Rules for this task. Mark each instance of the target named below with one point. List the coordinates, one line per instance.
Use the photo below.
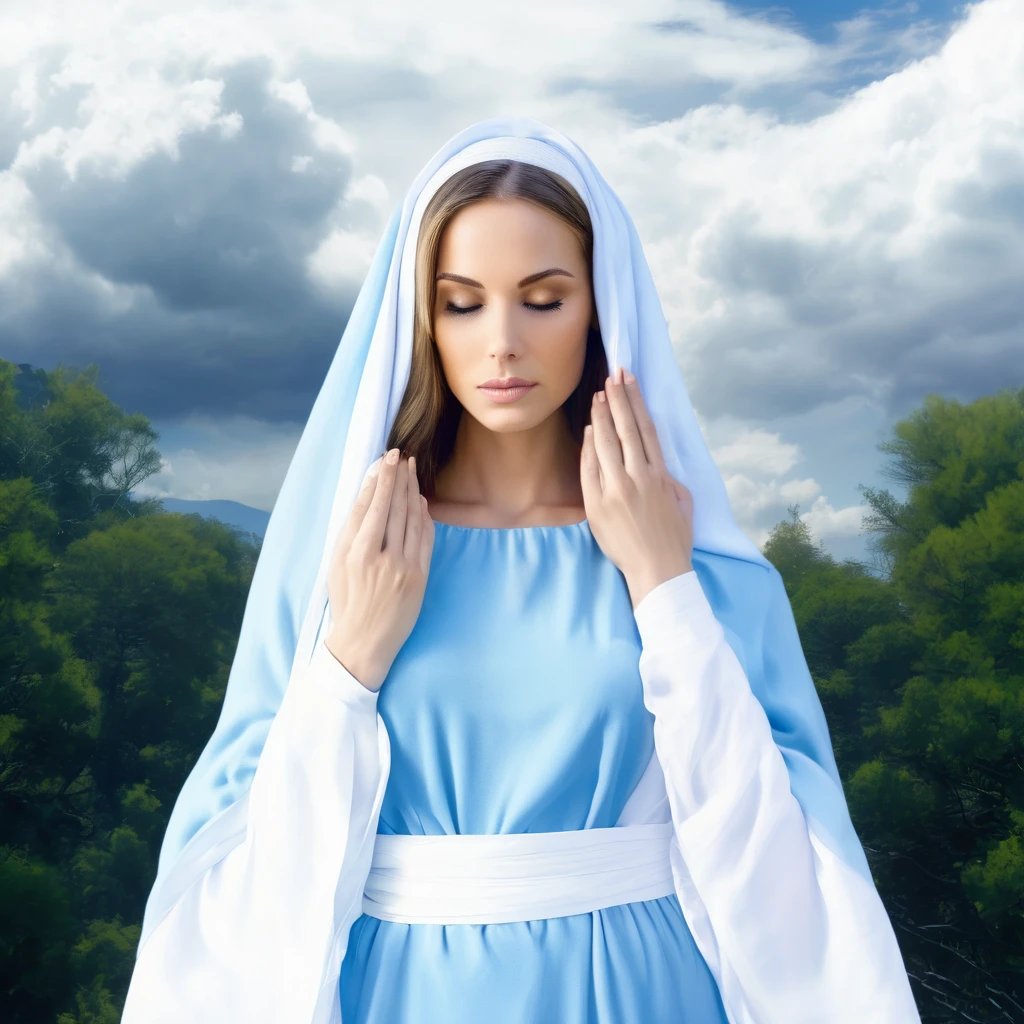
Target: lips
(504, 392)
(507, 382)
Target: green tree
(118, 624)
(83, 452)
(921, 673)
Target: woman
(554, 752)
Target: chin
(508, 419)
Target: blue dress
(516, 705)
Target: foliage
(118, 624)
(921, 674)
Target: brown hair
(428, 417)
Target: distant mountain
(234, 513)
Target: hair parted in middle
(429, 414)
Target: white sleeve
(791, 932)
(259, 935)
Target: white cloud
(755, 465)
(758, 449)
(125, 122)
(749, 497)
(826, 522)
(18, 244)
(814, 239)
(857, 252)
(341, 258)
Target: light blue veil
(347, 431)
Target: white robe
(261, 905)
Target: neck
(512, 474)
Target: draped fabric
(287, 604)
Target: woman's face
(513, 300)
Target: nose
(504, 336)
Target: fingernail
(601, 396)
(393, 456)
(628, 377)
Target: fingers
(606, 441)
(394, 532)
(644, 423)
(426, 538)
(590, 471)
(361, 504)
(633, 457)
(414, 518)
(374, 522)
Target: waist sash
(519, 876)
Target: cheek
(460, 358)
(561, 343)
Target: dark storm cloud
(223, 319)
(849, 319)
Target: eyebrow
(459, 279)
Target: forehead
(504, 231)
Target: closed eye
(546, 307)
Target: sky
(830, 197)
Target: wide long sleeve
(259, 934)
(793, 932)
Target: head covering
(347, 431)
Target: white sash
(519, 876)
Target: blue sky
(818, 18)
(829, 197)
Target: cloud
(869, 250)
(236, 457)
(757, 448)
(191, 196)
(184, 273)
(756, 467)
(827, 522)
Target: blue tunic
(516, 705)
